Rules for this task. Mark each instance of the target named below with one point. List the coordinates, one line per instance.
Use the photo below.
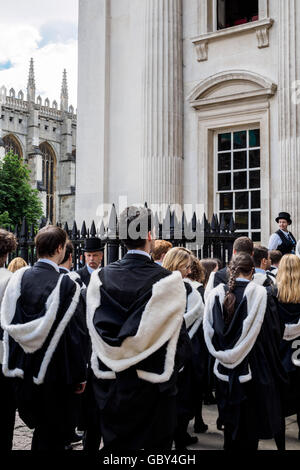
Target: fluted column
(162, 151)
(289, 129)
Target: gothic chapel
(45, 137)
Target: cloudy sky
(46, 31)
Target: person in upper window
(283, 240)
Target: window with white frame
(238, 180)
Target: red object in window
(255, 18)
(241, 21)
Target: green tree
(17, 198)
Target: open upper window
(236, 12)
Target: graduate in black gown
(135, 314)
(202, 362)
(288, 283)
(8, 244)
(45, 342)
(243, 332)
(190, 376)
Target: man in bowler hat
(283, 240)
(93, 254)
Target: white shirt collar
(48, 261)
(138, 252)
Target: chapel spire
(64, 96)
(31, 83)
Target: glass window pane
(242, 220)
(239, 160)
(254, 138)
(224, 161)
(254, 158)
(224, 181)
(242, 200)
(226, 202)
(240, 140)
(256, 236)
(254, 179)
(255, 220)
(227, 217)
(240, 180)
(224, 142)
(255, 200)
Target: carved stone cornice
(261, 27)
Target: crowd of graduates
(126, 354)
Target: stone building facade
(194, 102)
(44, 135)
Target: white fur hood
(160, 324)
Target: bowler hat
(284, 215)
(92, 244)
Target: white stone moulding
(261, 27)
(246, 86)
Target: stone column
(288, 110)
(162, 151)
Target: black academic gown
(252, 410)
(290, 314)
(49, 407)
(188, 386)
(135, 413)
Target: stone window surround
(233, 191)
(221, 114)
(209, 32)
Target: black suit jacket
(85, 275)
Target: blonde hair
(176, 258)
(288, 279)
(16, 263)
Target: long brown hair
(288, 279)
(208, 264)
(241, 263)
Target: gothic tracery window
(48, 181)
(12, 145)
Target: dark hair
(134, 225)
(241, 263)
(69, 251)
(8, 242)
(243, 245)
(197, 270)
(49, 239)
(208, 264)
(219, 263)
(275, 256)
(260, 252)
